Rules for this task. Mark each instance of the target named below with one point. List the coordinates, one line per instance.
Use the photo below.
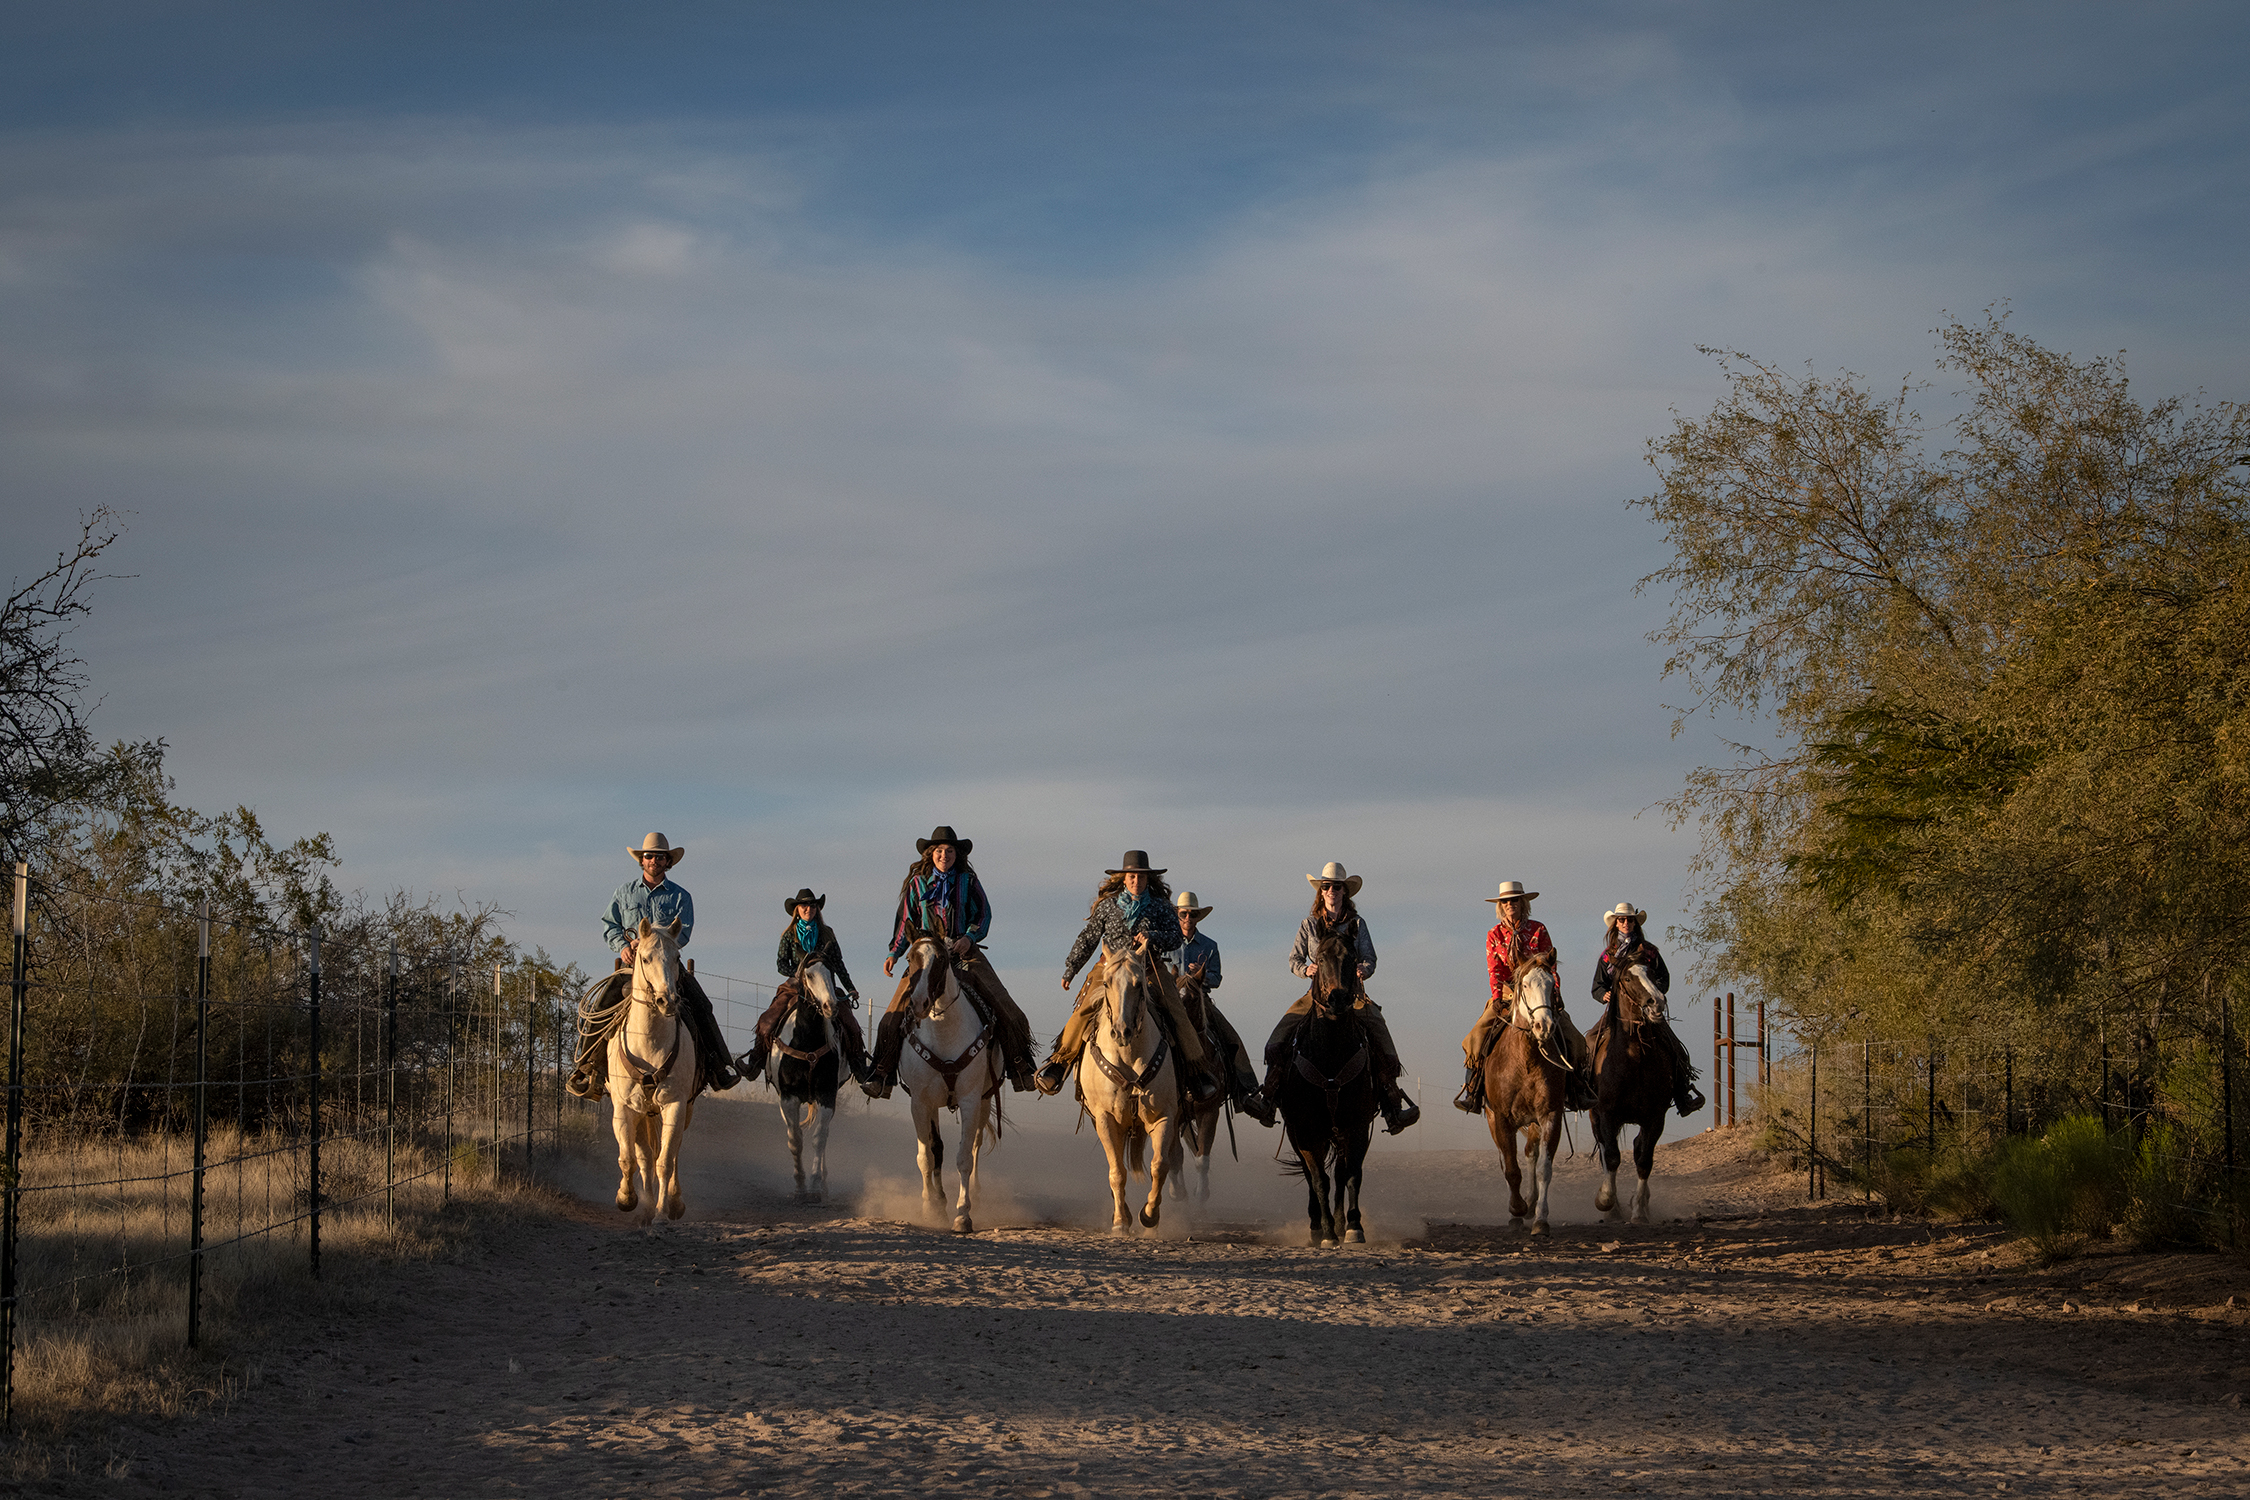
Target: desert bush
(2063, 1189)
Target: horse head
(1335, 977)
(1534, 997)
(1639, 1001)
(817, 985)
(656, 966)
(1125, 985)
(934, 987)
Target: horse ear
(647, 927)
(673, 927)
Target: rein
(644, 996)
(1137, 1081)
(931, 1007)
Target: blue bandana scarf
(808, 935)
(1134, 906)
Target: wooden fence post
(19, 984)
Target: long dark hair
(1112, 884)
(922, 866)
(1344, 913)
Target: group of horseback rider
(1133, 909)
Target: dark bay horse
(1524, 1079)
(1328, 1097)
(1632, 1083)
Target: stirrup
(1050, 1079)
(1399, 1115)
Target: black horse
(1328, 1098)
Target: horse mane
(1112, 884)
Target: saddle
(1355, 1065)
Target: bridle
(1140, 1080)
(666, 1005)
(935, 1006)
(825, 1009)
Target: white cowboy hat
(1623, 911)
(1185, 901)
(656, 843)
(1512, 890)
(1332, 873)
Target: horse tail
(1137, 1156)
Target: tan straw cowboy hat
(1332, 873)
(1512, 890)
(1623, 911)
(1185, 901)
(656, 843)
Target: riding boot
(1687, 1098)
(882, 1068)
(1253, 1104)
(1051, 1078)
(1470, 1101)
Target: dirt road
(761, 1348)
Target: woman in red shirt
(1514, 938)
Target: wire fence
(1871, 1115)
(183, 1088)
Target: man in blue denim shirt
(1196, 961)
(656, 899)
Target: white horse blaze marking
(952, 1026)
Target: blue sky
(1200, 427)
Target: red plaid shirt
(1505, 945)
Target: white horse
(951, 1060)
(653, 1072)
(1131, 1085)
(805, 1067)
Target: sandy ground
(762, 1347)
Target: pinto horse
(805, 1067)
(1328, 1097)
(1632, 1083)
(1130, 1083)
(1523, 1085)
(950, 1062)
(653, 1075)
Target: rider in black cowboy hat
(941, 894)
(808, 936)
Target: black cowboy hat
(943, 834)
(804, 894)
(1135, 862)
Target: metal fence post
(19, 982)
(1812, 1161)
(2226, 1108)
(2008, 1099)
(1929, 1066)
(1718, 1051)
(390, 1086)
(202, 1123)
(1730, 1057)
(496, 1070)
(530, 1055)
(312, 993)
(452, 1020)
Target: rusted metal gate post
(1730, 1057)
(1718, 1065)
(202, 1123)
(312, 995)
(19, 983)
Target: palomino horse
(1199, 1123)
(1523, 1087)
(1328, 1098)
(805, 1067)
(1632, 1083)
(1131, 1084)
(949, 1062)
(652, 1079)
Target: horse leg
(1606, 1132)
(1163, 1156)
(673, 1127)
(929, 1153)
(1350, 1169)
(1317, 1208)
(1113, 1132)
(1644, 1158)
(1504, 1136)
(1543, 1172)
(625, 1125)
(644, 1167)
(972, 1131)
(796, 1136)
(820, 1116)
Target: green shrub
(2061, 1190)
(2160, 1186)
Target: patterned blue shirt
(636, 899)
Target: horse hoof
(1121, 1228)
(675, 1208)
(627, 1200)
(1148, 1218)
(1605, 1200)
(1540, 1230)
(1327, 1244)
(961, 1225)
(1355, 1237)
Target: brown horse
(1632, 1082)
(1328, 1097)
(1199, 1123)
(1524, 1077)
